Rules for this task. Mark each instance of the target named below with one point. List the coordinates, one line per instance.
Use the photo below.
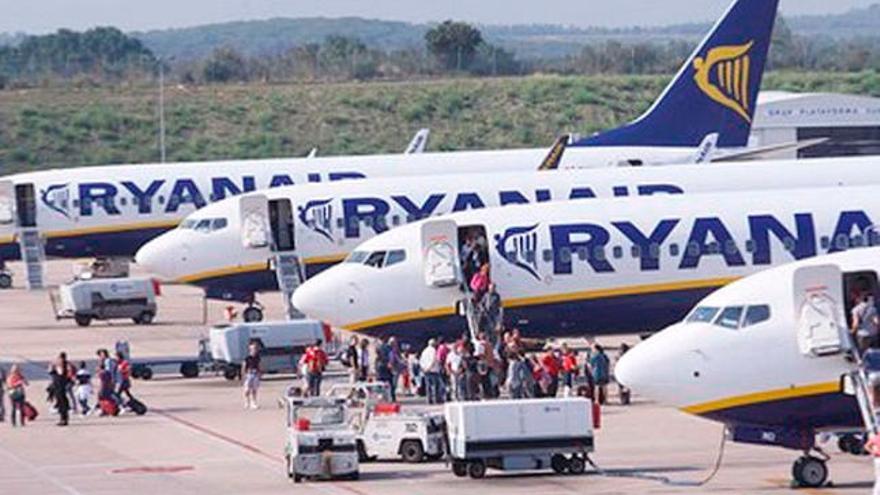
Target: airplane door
(819, 311)
(440, 253)
(26, 205)
(281, 223)
(7, 204)
(255, 230)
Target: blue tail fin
(714, 92)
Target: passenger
(624, 392)
(383, 362)
(58, 389)
(601, 374)
(111, 366)
(469, 258)
(491, 313)
(363, 360)
(350, 359)
(865, 323)
(415, 371)
(124, 367)
(552, 366)
(480, 283)
(396, 365)
(520, 381)
(455, 372)
(316, 361)
(430, 364)
(541, 378)
(251, 372)
(569, 370)
(442, 355)
(471, 373)
(105, 386)
(2, 385)
(83, 389)
(15, 387)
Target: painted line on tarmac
(217, 435)
(38, 473)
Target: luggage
(137, 407)
(108, 407)
(29, 411)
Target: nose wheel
(252, 313)
(809, 472)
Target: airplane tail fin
(714, 92)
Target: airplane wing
(707, 149)
(762, 152)
(554, 157)
(419, 142)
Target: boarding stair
(289, 274)
(471, 315)
(861, 380)
(34, 257)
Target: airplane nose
(318, 298)
(164, 256)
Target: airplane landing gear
(5, 279)
(253, 313)
(809, 472)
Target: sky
(40, 16)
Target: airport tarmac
(197, 438)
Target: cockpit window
(395, 257)
(729, 317)
(703, 314)
(376, 259)
(357, 257)
(188, 224)
(755, 315)
(218, 224)
(203, 225)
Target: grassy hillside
(72, 127)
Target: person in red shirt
(569, 370)
(15, 385)
(316, 361)
(123, 366)
(551, 365)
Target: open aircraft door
(255, 229)
(819, 311)
(7, 206)
(440, 253)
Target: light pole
(162, 110)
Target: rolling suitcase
(108, 407)
(137, 407)
(29, 411)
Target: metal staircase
(289, 273)
(34, 257)
(862, 385)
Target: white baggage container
(519, 435)
(282, 343)
(106, 299)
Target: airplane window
(702, 314)
(789, 244)
(841, 241)
(617, 252)
(673, 250)
(340, 222)
(729, 317)
(713, 248)
(376, 259)
(188, 224)
(395, 257)
(357, 257)
(755, 315)
(76, 203)
(203, 225)
(693, 249)
(750, 246)
(874, 238)
(825, 242)
(548, 255)
(858, 241)
(395, 220)
(636, 251)
(730, 247)
(599, 253)
(582, 253)
(368, 221)
(134, 201)
(161, 200)
(654, 250)
(565, 255)
(123, 201)
(218, 224)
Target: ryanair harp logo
(519, 246)
(731, 67)
(317, 215)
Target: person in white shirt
(431, 368)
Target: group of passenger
(865, 325)
(70, 389)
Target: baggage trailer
(107, 299)
(320, 445)
(511, 435)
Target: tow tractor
(320, 445)
(383, 431)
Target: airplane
(112, 211)
(803, 376)
(218, 249)
(605, 266)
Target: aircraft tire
(252, 314)
(5, 281)
(810, 472)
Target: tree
(453, 44)
(225, 65)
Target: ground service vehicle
(520, 435)
(107, 299)
(319, 442)
(282, 343)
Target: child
(83, 388)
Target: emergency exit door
(440, 253)
(281, 222)
(819, 311)
(26, 205)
